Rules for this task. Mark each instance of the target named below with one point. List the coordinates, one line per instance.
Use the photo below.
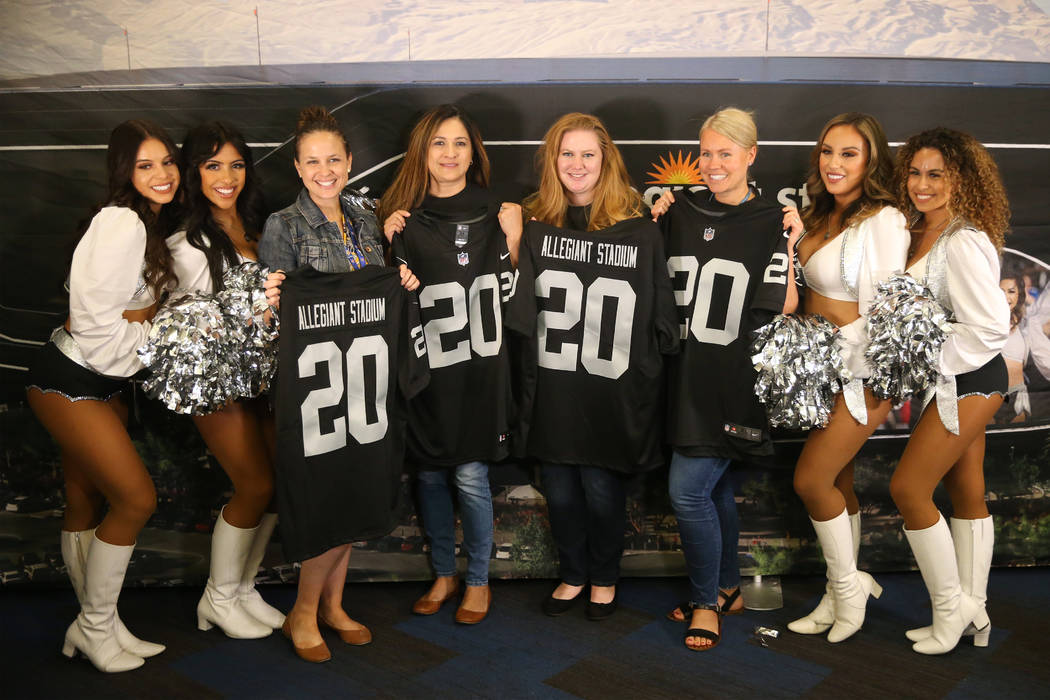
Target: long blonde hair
(614, 198)
(412, 180)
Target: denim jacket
(300, 235)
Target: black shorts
(53, 372)
(990, 378)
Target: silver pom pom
(799, 370)
(906, 329)
(358, 200)
(205, 350)
(251, 350)
(185, 351)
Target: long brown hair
(121, 154)
(1018, 308)
(412, 180)
(614, 198)
(876, 188)
(977, 192)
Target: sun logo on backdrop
(672, 170)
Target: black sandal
(702, 633)
(685, 610)
(730, 599)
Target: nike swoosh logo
(504, 257)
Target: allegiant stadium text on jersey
(334, 313)
(613, 254)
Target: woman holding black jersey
(331, 230)
(710, 423)
(588, 256)
(445, 225)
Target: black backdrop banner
(52, 161)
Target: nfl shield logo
(463, 259)
(709, 233)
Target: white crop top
(105, 280)
(823, 271)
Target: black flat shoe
(600, 611)
(556, 606)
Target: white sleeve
(885, 252)
(982, 314)
(103, 278)
(191, 266)
(1039, 347)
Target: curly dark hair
(876, 191)
(202, 231)
(977, 192)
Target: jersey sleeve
(982, 314)
(772, 287)
(414, 370)
(665, 311)
(399, 251)
(521, 309)
(103, 279)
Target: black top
(729, 270)
(470, 198)
(349, 342)
(461, 259)
(577, 218)
(599, 310)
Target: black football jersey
(599, 310)
(351, 350)
(463, 264)
(728, 266)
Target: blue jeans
(439, 522)
(702, 496)
(588, 516)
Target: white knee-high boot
(94, 632)
(974, 542)
(850, 587)
(220, 605)
(75, 546)
(953, 610)
(823, 616)
(250, 599)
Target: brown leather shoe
(315, 655)
(473, 617)
(357, 638)
(425, 606)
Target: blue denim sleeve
(275, 247)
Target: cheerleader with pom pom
(951, 186)
(855, 240)
(224, 218)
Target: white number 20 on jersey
(361, 394)
(477, 308)
(590, 307)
